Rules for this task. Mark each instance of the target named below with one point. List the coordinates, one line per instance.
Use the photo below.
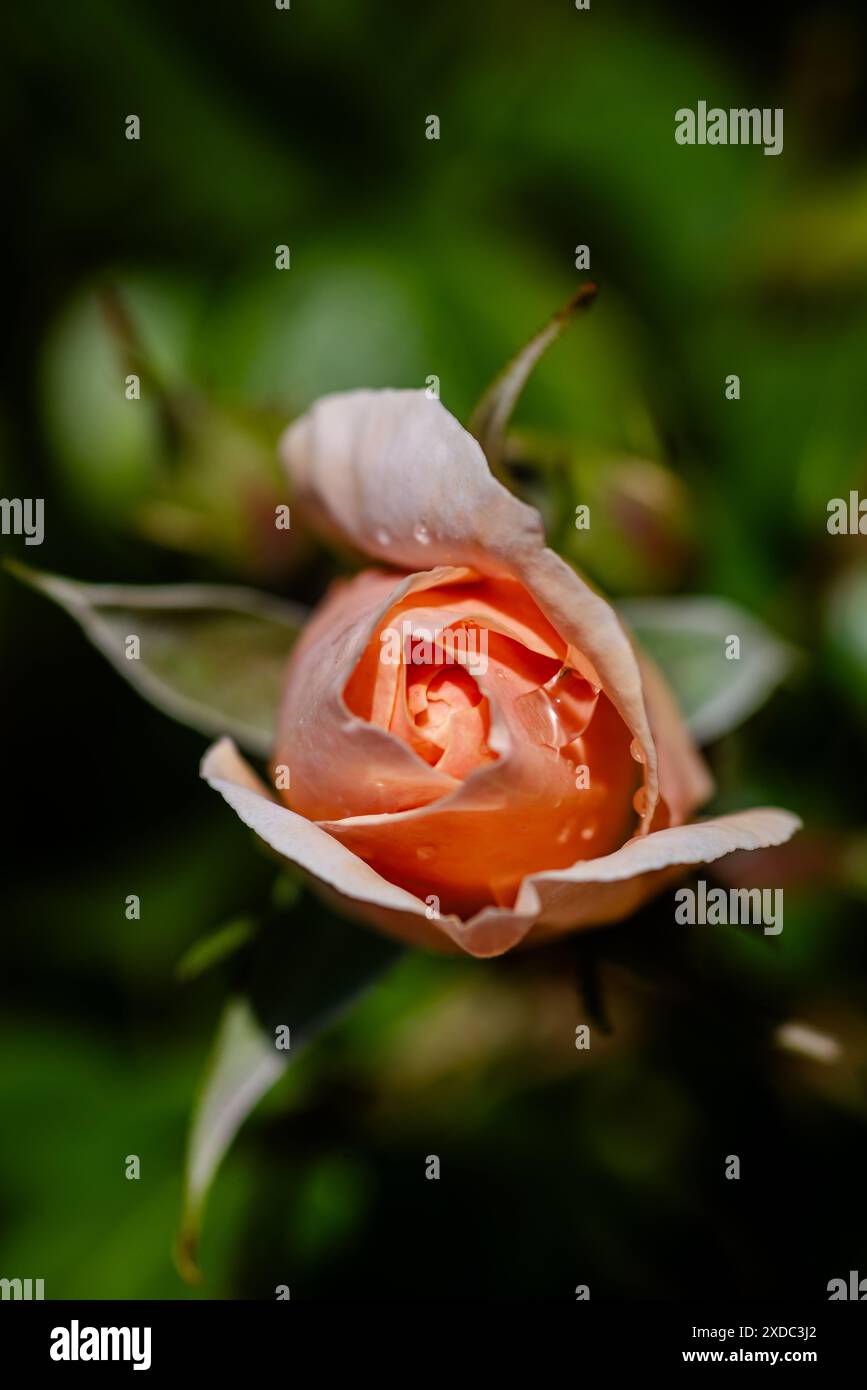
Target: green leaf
(308, 967)
(846, 630)
(244, 1065)
(210, 656)
(211, 950)
(687, 639)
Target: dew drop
(589, 831)
(636, 751)
(421, 533)
(639, 801)
(559, 712)
(382, 537)
(425, 852)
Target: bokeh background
(413, 257)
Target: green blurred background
(412, 257)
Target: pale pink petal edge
(589, 893)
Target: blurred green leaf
(243, 1066)
(308, 967)
(846, 628)
(209, 656)
(110, 451)
(687, 637)
(214, 948)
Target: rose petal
(395, 475)
(362, 891)
(341, 764)
(685, 782)
(588, 894)
(510, 817)
(359, 780)
(619, 881)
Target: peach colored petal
(353, 886)
(462, 798)
(502, 605)
(604, 890)
(518, 814)
(395, 475)
(362, 892)
(685, 782)
(510, 805)
(466, 748)
(339, 762)
(507, 805)
(587, 894)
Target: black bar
(245, 1337)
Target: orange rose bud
(478, 756)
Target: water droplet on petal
(589, 831)
(425, 852)
(636, 751)
(639, 801)
(421, 533)
(382, 537)
(559, 712)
